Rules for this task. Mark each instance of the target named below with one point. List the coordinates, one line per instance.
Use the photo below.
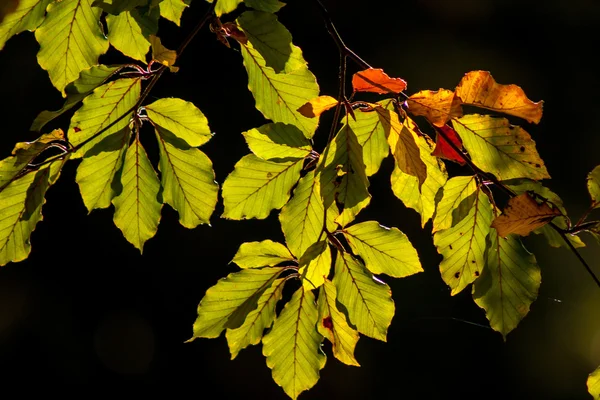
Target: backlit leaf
(332, 325)
(137, 208)
(181, 118)
(376, 81)
(438, 106)
(522, 215)
(508, 284)
(27, 16)
(128, 32)
(498, 147)
(8, 7)
(367, 300)
(293, 346)
(261, 254)
(315, 265)
(271, 6)
(116, 7)
(457, 200)
(593, 184)
(161, 54)
(256, 186)
(227, 304)
(71, 40)
(593, 384)
(187, 179)
(463, 246)
(371, 135)
(277, 141)
(383, 250)
(251, 331)
(443, 149)
(172, 10)
(107, 104)
(479, 88)
(225, 6)
(317, 106)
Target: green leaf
(279, 95)
(172, 10)
(137, 209)
(257, 321)
(181, 118)
(332, 325)
(496, 146)
(342, 176)
(255, 187)
(261, 254)
(315, 264)
(593, 184)
(98, 173)
(593, 384)
(302, 217)
(508, 284)
(464, 245)
(277, 141)
(89, 79)
(458, 198)
(21, 209)
(367, 300)
(293, 346)
(108, 103)
(71, 40)
(271, 6)
(187, 179)
(128, 32)
(370, 134)
(117, 7)
(27, 17)
(383, 250)
(227, 304)
(225, 6)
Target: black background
(87, 308)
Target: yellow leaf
(438, 106)
(163, 55)
(317, 106)
(522, 215)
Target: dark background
(87, 308)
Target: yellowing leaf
(332, 325)
(593, 384)
(317, 106)
(384, 250)
(496, 146)
(593, 184)
(479, 88)
(27, 16)
(128, 32)
(315, 265)
(277, 141)
(172, 10)
(260, 254)
(71, 40)
(522, 215)
(458, 197)
(367, 300)
(376, 81)
(371, 135)
(293, 346)
(181, 118)
(438, 106)
(256, 186)
(161, 54)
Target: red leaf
(443, 148)
(377, 81)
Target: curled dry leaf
(438, 106)
(317, 106)
(522, 215)
(376, 81)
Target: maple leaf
(376, 81)
(522, 215)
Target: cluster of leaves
(333, 261)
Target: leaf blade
(261, 254)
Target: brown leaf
(438, 106)
(479, 88)
(522, 215)
(317, 106)
(376, 81)
(443, 148)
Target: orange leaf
(376, 81)
(522, 215)
(480, 89)
(317, 106)
(437, 106)
(443, 148)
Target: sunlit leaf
(480, 89)
(251, 331)
(225, 6)
(137, 208)
(593, 184)
(161, 54)
(376, 81)
(371, 135)
(443, 148)
(463, 246)
(227, 304)
(261, 254)
(27, 16)
(71, 40)
(181, 118)
(128, 32)
(317, 106)
(8, 7)
(522, 215)
(593, 384)
(315, 265)
(97, 175)
(293, 346)
(498, 147)
(187, 179)
(333, 325)
(508, 284)
(173, 9)
(457, 200)
(438, 106)
(256, 186)
(383, 250)
(271, 6)
(367, 300)
(116, 7)
(107, 104)
(277, 141)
